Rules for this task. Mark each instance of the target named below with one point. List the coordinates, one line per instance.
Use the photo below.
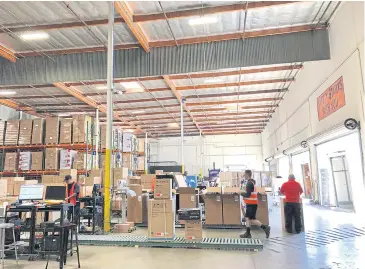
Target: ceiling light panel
(34, 36)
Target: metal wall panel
(288, 48)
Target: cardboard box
(81, 125)
(52, 179)
(12, 132)
(38, 130)
(145, 199)
(25, 132)
(119, 173)
(134, 204)
(4, 201)
(66, 172)
(213, 206)
(122, 228)
(96, 173)
(159, 172)
(25, 160)
(134, 180)
(37, 161)
(188, 198)
(232, 204)
(146, 181)
(161, 219)
(66, 131)
(11, 161)
(117, 204)
(67, 158)
(13, 185)
(163, 188)
(140, 163)
(193, 230)
(262, 209)
(51, 160)
(82, 161)
(128, 161)
(2, 132)
(52, 130)
(190, 214)
(127, 142)
(3, 188)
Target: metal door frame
(346, 177)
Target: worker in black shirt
(72, 197)
(251, 201)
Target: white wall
(224, 150)
(297, 118)
(7, 113)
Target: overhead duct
(264, 50)
(347, 127)
(268, 159)
(279, 155)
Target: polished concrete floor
(333, 240)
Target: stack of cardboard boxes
(52, 130)
(231, 206)
(11, 160)
(146, 181)
(12, 132)
(161, 212)
(231, 179)
(213, 206)
(37, 132)
(66, 131)
(25, 132)
(81, 129)
(134, 204)
(25, 161)
(67, 157)
(2, 132)
(51, 161)
(82, 161)
(37, 160)
(10, 186)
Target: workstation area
(158, 134)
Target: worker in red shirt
(292, 191)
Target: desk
(62, 228)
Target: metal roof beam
(136, 30)
(241, 93)
(7, 54)
(209, 103)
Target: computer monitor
(55, 193)
(31, 192)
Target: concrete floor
(324, 249)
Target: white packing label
(192, 198)
(236, 198)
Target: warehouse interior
(128, 127)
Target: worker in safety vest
(251, 201)
(72, 197)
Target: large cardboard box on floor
(25, 132)
(213, 206)
(163, 188)
(146, 181)
(37, 161)
(66, 131)
(145, 199)
(51, 160)
(11, 161)
(232, 204)
(37, 132)
(134, 204)
(2, 132)
(134, 180)
(67, 158)
(161, 219)
(25, 160)
(52, 130)
(12, 132)
(193, 230)
(262, 209)
(188, 197)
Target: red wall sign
(331, 99)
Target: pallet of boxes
(190, 214)
(161, 212)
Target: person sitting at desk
(72, 197)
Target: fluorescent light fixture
(138, 112)
(135, 90)
(212, 80)
(131, 85)
(103, 87)
(173, 125)
(34, 36)
(231, 107)
(7, 92)
(203, 20)
(129, 130)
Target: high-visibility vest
(72, 200)
(252, 200)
